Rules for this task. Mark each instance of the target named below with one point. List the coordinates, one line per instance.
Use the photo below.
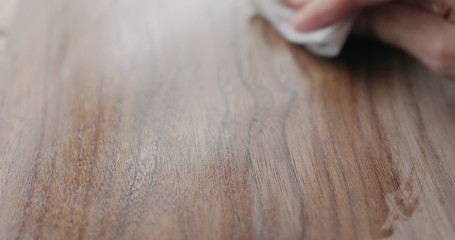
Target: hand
(412, 25)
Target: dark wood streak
(32, 180)
(196, 120)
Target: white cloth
(326, 42)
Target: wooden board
(182, 119)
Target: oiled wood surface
(159, 119)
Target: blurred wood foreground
(181, 119)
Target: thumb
(320, 13)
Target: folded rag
(326, 42)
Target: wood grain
(181, 119)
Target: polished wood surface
(182, 119)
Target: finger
(444, 8)
(297, 4)
(424, 4)
(424, 35)
(320, 13)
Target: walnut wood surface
(177, 119)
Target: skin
(414, 26)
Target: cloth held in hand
(326, 42)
